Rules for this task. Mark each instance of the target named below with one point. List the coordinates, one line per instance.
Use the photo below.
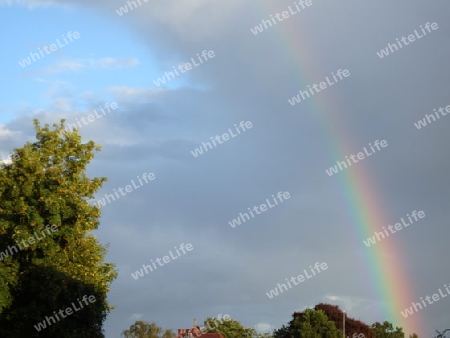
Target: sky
(242, 89)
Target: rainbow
(386, 276)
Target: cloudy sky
(118, 58)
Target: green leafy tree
(414, 335)
(283, 332)
(309, 324)
(314, 323)
(229, 328)
(46, 185)
(386, 330)
(142, 329)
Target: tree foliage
(142, 329)
(264, 335)
(228, 328)
(309, 324)
(46, 185)
(386, 330)
(352, 326)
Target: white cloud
(5, 158)
(6, 133)
(104, 63)
(65, 66)
(263, 327)
(125, 93)
(109, 62)
(346, 303)
(194, 19)
(136, 316)
(190, 19)
(333, 298)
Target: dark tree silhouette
(351, 325)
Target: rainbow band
(386, 274)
